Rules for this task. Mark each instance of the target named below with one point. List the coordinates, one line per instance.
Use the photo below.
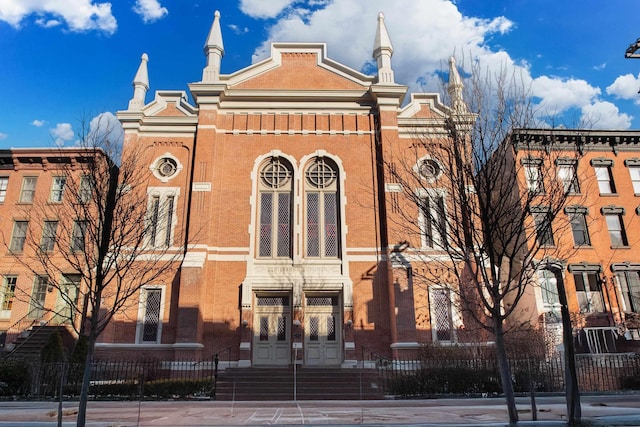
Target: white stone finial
(214, 51)
(455, 88)
(382, 52)
(140, 85)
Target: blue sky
(62, 61)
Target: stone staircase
(31, 341)
(277, 383)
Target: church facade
(273, 179)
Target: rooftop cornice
(582, 139)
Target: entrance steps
(277, 383)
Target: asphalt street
(598, 410)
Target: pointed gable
(298, 67)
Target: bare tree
(93, 239)
(493, 214)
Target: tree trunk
(505, 371)
(86, 381)
(572, 393)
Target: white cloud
(105, 130)
(37, 123)
(150, 10)
(605, 115)
(625, 87)
(558, 94)
(62, 133)
(238, 30)
(264, 9)
(79, 15)
(3, 135)
(48, 23)
(424, 34)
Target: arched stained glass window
(322, 219)
(275, 192)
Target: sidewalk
(606, 410)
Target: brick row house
(272, 186)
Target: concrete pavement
(601, 410)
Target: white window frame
(19, 236)
(7, 297)
(614, 218)
(454, 312)
(162, 219)
(588, 292)
(4, 184)
(58, 184)
(142, 311)
(604, 177)
(437, 235)
(568, 176)
(623, 271)
(28, 190)
(48, 239)
(533, 173)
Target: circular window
(167, 167)
(429, 169)
(275, 174)
(320, 174)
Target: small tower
(214, 51)
(140, 85)
(382, 52)
(455, 88)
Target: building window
(19, 236)
(85, 189)
(433, 220)
(634, 172)
(629, 286)
(4, 183)
(429, 169)
(28, 192)
(578, 220)
(615, 225)
(149, 328)
(588, 291)
(38, 295)
(275, 190)
(549, 290)
(605, 179)
(57, 188)
(544, 231)
(321, 197)
(533, 173)
(7, 295)
(568, 176)
(161, 214)
(48, 241)
(441, 308)
(67, 306)
(78, 236)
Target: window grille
(169, 223)
(274, 239)
(331, 328)
(322, 220)
(282, 328)
(320, 174)
(314, 328)
(441, 309)
(330, 225)
(329, 301)
(275, 174)
(313, 232)
(284, 224)
(273, 301)
(264, 328)
(151, 320)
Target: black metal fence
(154, 379)
(149, 379)
(602, 372)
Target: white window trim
(153, 167)
(456, 315)
(433, 194)
(161, 232)
(142, 306)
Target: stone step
(310, 384)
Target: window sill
(621, 247)
(582, 247)
(609, 194)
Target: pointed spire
(382, 52)
(455, 88)
(140, 85)
(214, 51)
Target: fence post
(215, 374)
